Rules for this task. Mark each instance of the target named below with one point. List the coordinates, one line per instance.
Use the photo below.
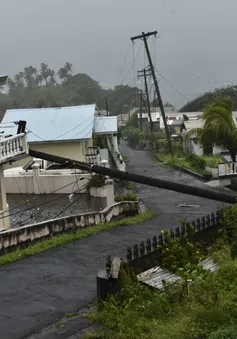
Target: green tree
(202, 101)
(68, 68)
(45, 72)
(33, 88)
(219, 127)
(30, 76)
(65, 72)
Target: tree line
(45, 87)
(202, 101)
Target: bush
(177, 253)
(228, 223)
(127, 197)
(229, 332)
(196, 162)
(97, 180)
(134, 135)
(211, 161)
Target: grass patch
(125, 159)
(127, 197)
(131, 187)
(60, 324)
(182, 162)
(192, 162)
(72, 315)
(211, 161)
(62, 239)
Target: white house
(62, 131)
(193, 145)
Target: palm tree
(65, 72)
(219, 127)
(62, 74)
(68, 68)
(44, 72)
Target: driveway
(38, 291)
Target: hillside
(199, 103)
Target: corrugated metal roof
(193, 124)
(52, 124)
(104, 125)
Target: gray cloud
(196, 37)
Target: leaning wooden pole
(126, 176)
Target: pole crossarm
(144, 35)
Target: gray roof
(52, 124)
(105, 125)
(190, 124)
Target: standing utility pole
(144, 73)
(141, 102)
(129, 111)
(144, 37)
(106, 107)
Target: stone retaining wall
(23, 236)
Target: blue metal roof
(105, 125)
(52, 124)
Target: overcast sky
(196, 51)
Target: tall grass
(207, 310)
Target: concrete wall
(23, 236)
(45, 184)
(194, 147)
(74, 150)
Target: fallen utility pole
(144, 37)
(126, 176)
(144, 73)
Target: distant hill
(199, 103)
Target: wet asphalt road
(38, 291)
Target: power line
(22, 205)
(57, 199)
(121, 89)
(37, 136)
(74, 127)
(135, 58)
(124, 63)
(61, 135)
(66, 208)
(172, 86)
(44, 203)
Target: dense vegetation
(45, 87)
(219, 128)
(201, 305)
(157, 145)
(202, 101)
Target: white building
(192, 145)
(63, 131)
